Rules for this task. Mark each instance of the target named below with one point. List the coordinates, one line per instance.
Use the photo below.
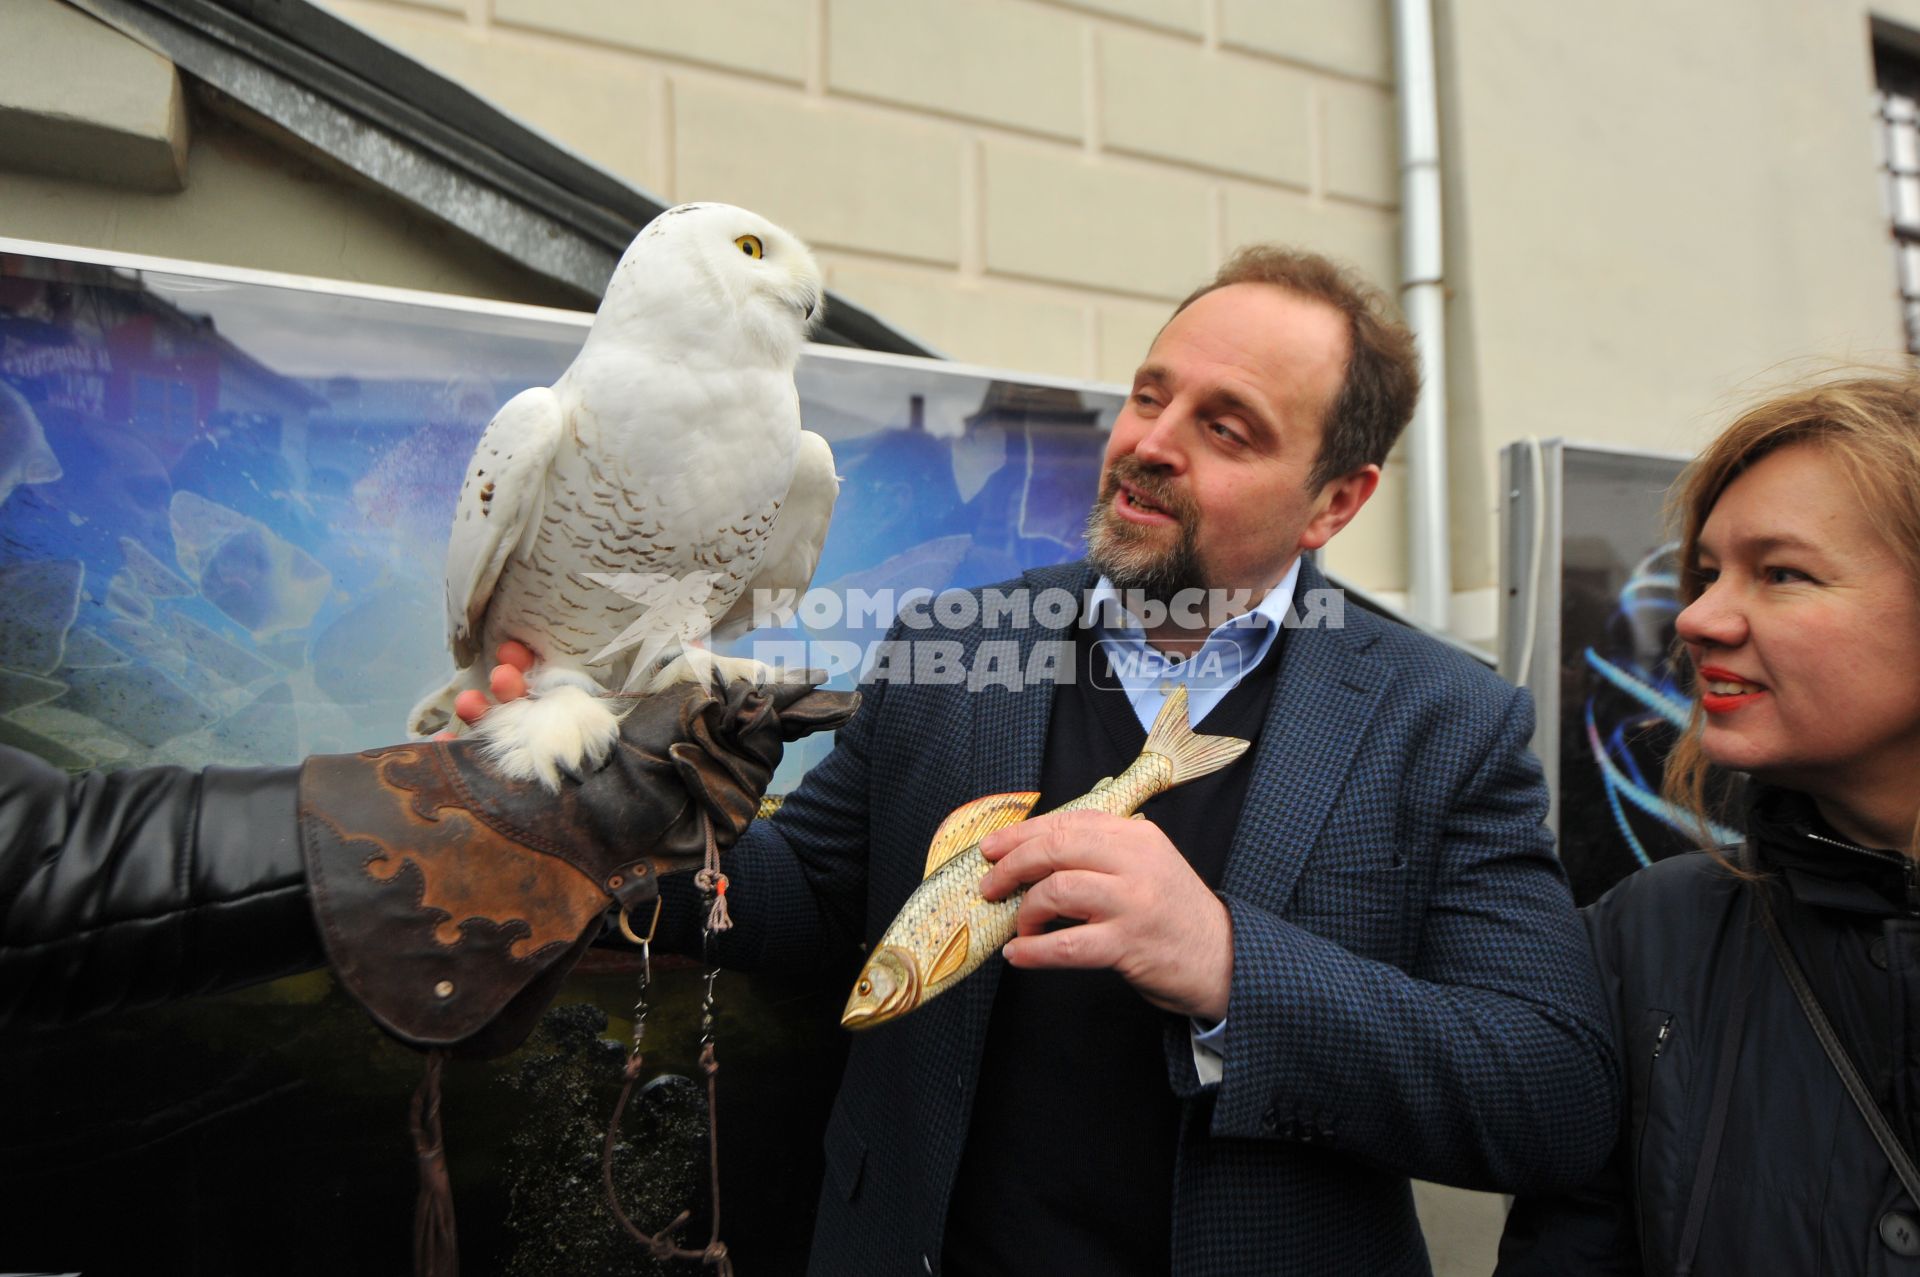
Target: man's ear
(1339, 500)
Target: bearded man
(1226, 1035)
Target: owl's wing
(499, 510)
(793, 547)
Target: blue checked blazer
(1412, 994)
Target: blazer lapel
(1010, 740)
(1326, 694)
(1010, 728)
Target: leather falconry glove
(453, 901)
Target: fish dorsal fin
(953, 954)
(969, 823)
(1100, 784)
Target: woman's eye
(1785, 576)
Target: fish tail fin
(1191, 754)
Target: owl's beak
(806, 299)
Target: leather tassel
(717, 917)
(710, 879)
(436, 1247)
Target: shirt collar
(1254, 630)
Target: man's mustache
(1149, 483)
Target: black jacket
(1800, 1186)
(123, 889)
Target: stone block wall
(1021, 183)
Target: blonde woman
(1741, 1150)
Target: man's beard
(1134, 556)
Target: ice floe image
(241, 567)
(38, 602)
(24, 454)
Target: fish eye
(865, 987)
(750, 245)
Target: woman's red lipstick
(1725, 702)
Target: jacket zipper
(1660, 1039)
(1907, 868)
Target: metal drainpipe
(1423, 299)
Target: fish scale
(991, 922)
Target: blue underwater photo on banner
(224, 504)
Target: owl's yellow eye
(749, 244)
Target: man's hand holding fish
(1142, 909)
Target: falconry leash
(662, 1245)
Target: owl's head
(718, 270)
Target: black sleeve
(123, 889)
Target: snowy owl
(608, 522)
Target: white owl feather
(612, 520)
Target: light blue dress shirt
(1148, 676)
(1231, 652)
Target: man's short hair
(1382, 382)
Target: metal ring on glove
(626, 927)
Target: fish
(946, 930)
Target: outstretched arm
(449, 899)
(125, 889)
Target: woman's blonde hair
(1870, 428)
